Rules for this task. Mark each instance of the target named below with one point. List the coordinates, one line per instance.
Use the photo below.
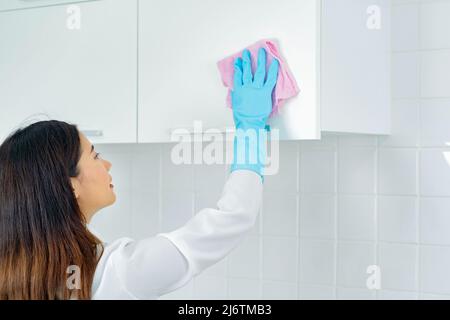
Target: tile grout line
(227, 262)
(132, 198)
(261, 250)
(192, 193)
(137, 97)
(405, 195)
(418, 158)
(336, 216)
(137, 70)
(298, 221)
(420, 51)
(376, 220)
(160, 183)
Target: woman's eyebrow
(92, 148)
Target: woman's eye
(96, 156)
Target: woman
(52, 182)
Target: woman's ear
(75, 187)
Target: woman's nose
(108, 165)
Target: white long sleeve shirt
(149, 268)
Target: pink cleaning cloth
(286, 86)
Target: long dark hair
(43, 232)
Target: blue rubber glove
(252, 104)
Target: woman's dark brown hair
(43, 232)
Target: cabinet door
(20, 4)
(86, 76)
(180, 42)
(355, 77)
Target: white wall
(337, 205)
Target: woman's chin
(114, 198)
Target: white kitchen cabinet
(86, 76)
(355, 66)
(340, 61)
(22, 4)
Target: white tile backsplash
(397, 295)
(405, 28)
(435, 74)
(317, 216)
(316, 261)
(279, 258)
(404, 121)
(244, 289)
(280, 214)
(286, 179)
(315, 292)
(434, 123)
(361, 140)
(432, 296)
(435, 221)
(434, 266)
(397, 171)
(145, 168)
(397, 219)
(355, 294)
(434, 25)
(398, 265)
(356, 216)
(317, 171)
(405, 75)
(176, 175)
(353, 259)
(176, 209)
(275, 290)
(144, 214)
(336, 206)
(210, 287)
(210, 178)
(356, 170)
(434, 172)
(245, 259)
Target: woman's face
(92, 187)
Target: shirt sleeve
(167, 261)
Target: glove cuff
(250, 149)
(250, 123)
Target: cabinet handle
(92, 133)
(191, 130)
